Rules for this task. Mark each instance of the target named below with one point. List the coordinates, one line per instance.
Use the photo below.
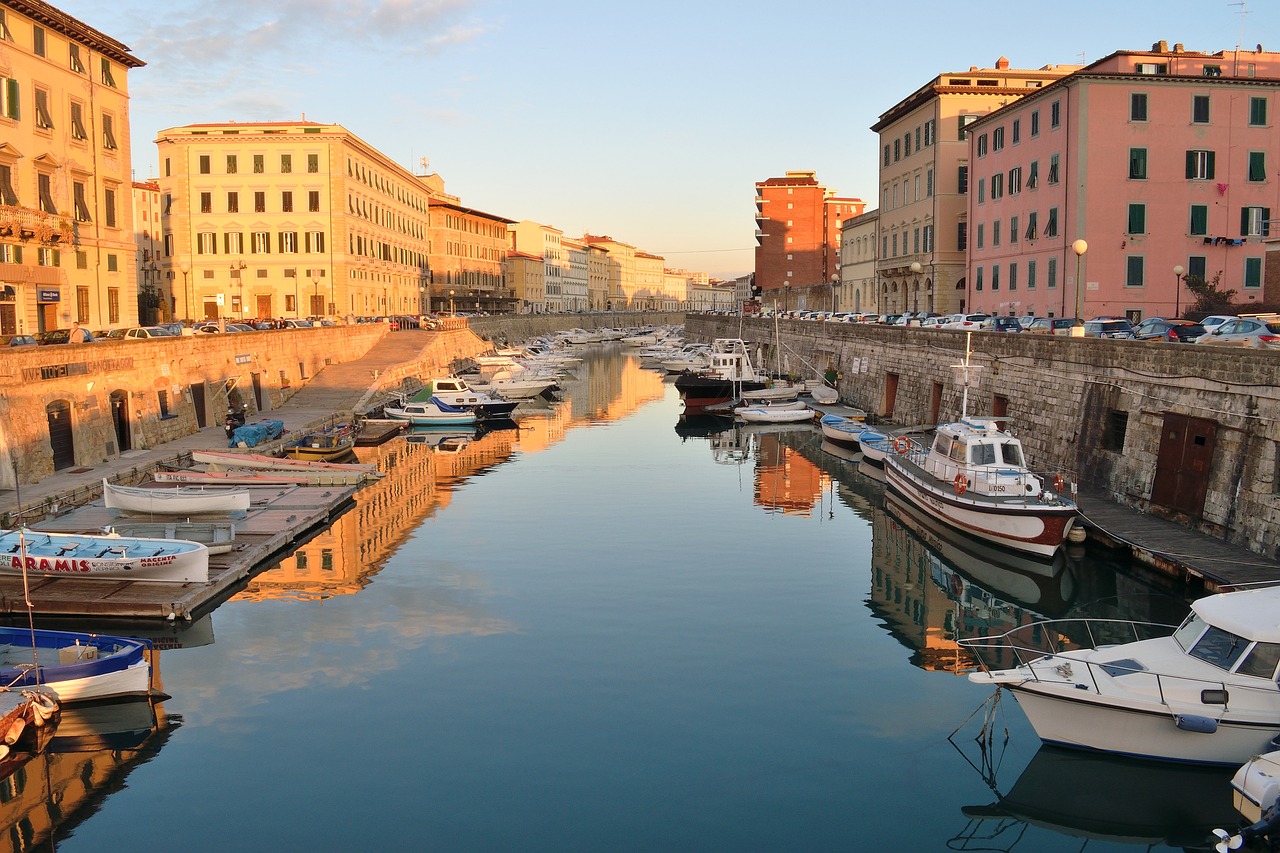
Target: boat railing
(1037, 647)
(1003, 482)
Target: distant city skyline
(649, 124)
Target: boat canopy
(1252, 614)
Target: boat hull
(702, 391)
(77, 667)
(260, 461)
(1024, 525)
(842, 431)
(103, 557)
(185, 500)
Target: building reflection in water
(420, 479)
(785, 480)
(91, 752)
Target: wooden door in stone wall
(61, 439)
(120, 419)
(1182, 468)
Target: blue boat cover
(257, 433)
(445, 407)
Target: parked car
(1003, 324)
(1213, 321)
(932, 322)
(972, 322)
(1026, 320)
(1052, 325)
(53, 336)
(18, 341)
(1108, 327)
(1174, 331)
(1261, 331)
(144, 333)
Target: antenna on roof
(1243, 12)
(425, 163)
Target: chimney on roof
(1002, 63)
(1161, 46)
(1178, 48)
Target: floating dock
(279, 518)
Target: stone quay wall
(1095, 409)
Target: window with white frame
(1200, 165)
(1255, 222)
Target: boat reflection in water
(91, 752)
(1090, 796)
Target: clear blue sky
(649, 122)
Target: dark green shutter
(13, 111)
(1191, 164)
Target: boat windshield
(982, 454)
(1220, 648)
(1261, 660)
(1189, 631)
(1012, 453)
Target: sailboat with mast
(974, 477)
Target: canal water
(611, 629)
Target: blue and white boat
(107, 556)
(842, 429)
(78, 667)
(431, 412)
(875, 445)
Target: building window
(288, 242)
(108, 79)
(930, 132)
(982, 145)
(1015, 180)
(928, 239)
(1133, 271)
(37, 40)
(286, 163)
(81, 203)
(1013, 276)
(1051, 274)
(1253, 272)
(1031, 275)
(977, 285)
(233, 243)
(981, 236)
(1051, 223)
(1055, 114)
(7, 194)
(997, 139)
(995, 233)
(206, 202)
(206, 243)
(313, 201)
(1035, 123)
(897, 150)
(260, 243)
(1257, 166)
(1052, 177)
(77, 121)
(997, 186)
(1199, 220)
(233, 202)
(315, 241)
(1138, 164)
(73, 58)
(1032, 233)
(995, 277)
(44, 184)
(962, 180)
(1196, 266)
(962, 236)
(1258, 112)
(204, 164)
(44, 120)
(259, 202)
(1033, 174)
(1199, 109)
(1137, 106)
(286, 201)
(1254, 221)
(917, 139)
(1013, 229)
(965, 121)
(108, 133)
(313, 163)
(259, 164)
(928, 183)
(1137, 219)
(1016, 131)
(1200, 165)
(887, 155)
(1113, 430)
(109, 207)
(982, 190)
(233, 164)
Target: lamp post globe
(1079, 247)
(1178, 270)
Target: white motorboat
(265, 477)
(174, 500)
(524, 385)
(774, 415)
(973, 476)
(774, 390)
(455, 391)
(431, 412)
(728, 376)
(779, 405)
(107, 556)
(843, 429)
(1202, 692)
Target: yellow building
(620, 286)
(467, 254)
(66, 238)
(597, 276)
(289, 219)
(534, 238)
(155, 293)
(527, 275)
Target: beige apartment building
(620, 289)
(467, 253)
(577, 275)
(155, 293)
(859, 239)
(289, 219)
(66, 238)
(924, 181)
(527, 274)
(534, 238)
(597, 276)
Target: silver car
(1261, 331)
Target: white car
(972, 322)
(1213, 321)
(142, 333)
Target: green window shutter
(1266, 222)
(1191, 164)
(1209, 171)
(13, 87)
(1244, 222)
(17, 254)
(1257, 166)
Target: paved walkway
(339, 388)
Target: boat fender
(43, 707)
(1195, 723)
(4, 751)
(1059, 482)
(961, 483)
(901, 444)
(16, 728)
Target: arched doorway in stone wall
(120, 420)
(61, 438)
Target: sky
(649, 122)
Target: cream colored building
(467, 254)
(527, 275)
(155, 293)
(676, 287)
(577, 280)
(859, 240)
(534, 238)
(649, 294)
(621, 284)
(924, 180)
(66, 235)
(597, 277)
(289, 219)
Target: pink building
(1158, 160)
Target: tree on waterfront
(1209, 295)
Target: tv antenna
(425, 163)
(1243, 12)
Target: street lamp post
(184, 268)
(451, 311)
(237, 272)
(315, 295)
(1079, 247)
(835, 278)
(916, 268)
(1178, 270)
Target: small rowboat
(106, 556)
(774, 415)
(264, 477)
(229, 459)
(323, 445)
(842, 430)
(174, 500)
(78, 667)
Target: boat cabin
(989, 458)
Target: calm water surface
(599, 632)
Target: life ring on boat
(961, 482)
(1059, 482)
(901, 445)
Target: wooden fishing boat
(222, 459)
(107, 556)
(174, 500)
(77, 667)
(323, 445)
